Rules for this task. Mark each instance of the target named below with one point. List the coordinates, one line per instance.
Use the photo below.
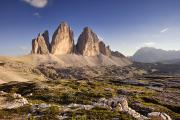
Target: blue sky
(126, 25)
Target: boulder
(62, 40)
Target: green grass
(63, 92)
(98, 114)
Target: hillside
(151, 55)
(29, 62)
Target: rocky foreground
(138, 91)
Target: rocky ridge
(88, 43)
(154, 55)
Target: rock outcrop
(62, 40)
(159, 116)
(103, 49)
(41, 45)
(108, 51)
(119, 104)
(46, 38)
(11, 101)
(88, 43)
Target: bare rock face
(108, 51)
(102, 47)
(88, 43)
(46, 38)
(62, 40)
(11, 101)
(41, 44)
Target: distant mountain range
(152, 55)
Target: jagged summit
(87, 30)
(41, 45)
(46, 37)
(88, 45)
(62, 40)
(63, 43)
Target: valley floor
(69, 93)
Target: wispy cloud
(37, 14)
(149, 44)
(24, 48)
(37, 3)
(164, 30)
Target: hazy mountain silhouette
(150, 55)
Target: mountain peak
(64, 23)
(62, 40)
(41, 45)
(151, 54)
(62, 43)
(87, 29)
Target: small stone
(159, 116)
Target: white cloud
(37, 14)
(164, 30)
(37, 3)
(149, 44)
